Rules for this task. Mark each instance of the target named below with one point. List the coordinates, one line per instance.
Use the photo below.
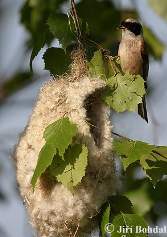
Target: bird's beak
(121, 27)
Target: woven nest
(53, 210)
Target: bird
(133, 55)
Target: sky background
(15, 111)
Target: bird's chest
(130, 57)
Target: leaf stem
(157, 153)
(118, 135)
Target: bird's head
(132, 26)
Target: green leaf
(131, 221)
(75, 170)
(56, 61)
(157, 171)
(59, 26)
(60, 134)
(124, 92)
(34, 16)
(97, 66)
(39, 43)
(153, 159)
(71, 170)
(116, 205)
(44, 161)
(155, 46)
(105, 220)
(103, 67)
(141, 200)
(99, 22)
(59, 165)
(160, 7)
(33, 3)
(158, 194)
(133, 151)
(120, 204)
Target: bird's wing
(142, 110)
(145, 58)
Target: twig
(99, 46)
(75, 18)
(114, 133)
(112, 65)
(157, 153)
(118, 135)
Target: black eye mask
(134, 27)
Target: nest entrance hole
(95, 116)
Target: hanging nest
(54, 210)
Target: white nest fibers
(55, 211)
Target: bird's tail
(142, 110)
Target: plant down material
(54, 210)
